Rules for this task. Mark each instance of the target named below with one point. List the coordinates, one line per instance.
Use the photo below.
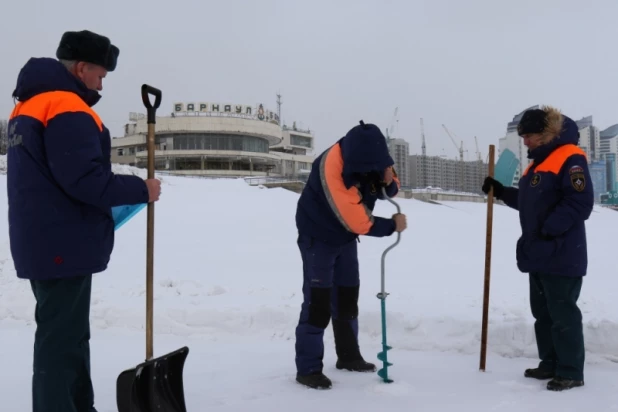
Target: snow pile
(129, 170)
(228, 279)
(116, 168)
(227, 263)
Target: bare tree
(4, 136)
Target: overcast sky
(468, 64)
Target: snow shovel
(383, 373)
(157, 383)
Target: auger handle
(382, 295)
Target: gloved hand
(491, 182)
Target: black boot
(348, 352)
(358, 365)
(561, 384)
(315, 380)
(538, 373)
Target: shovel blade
(153, 385)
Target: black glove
(491, 182)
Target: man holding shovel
(60, 191)
(334, 209)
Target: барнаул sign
(257, 112)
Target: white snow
(228, 279)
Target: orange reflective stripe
(45, 106)
(346, 203)
(558, 157)
(528, 168)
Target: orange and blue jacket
(554, 199)
(60, 184)
(336, 205)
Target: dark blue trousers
(330, 291)
(61, 370)
(558, 324)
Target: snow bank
(227, 267)
(116, 168)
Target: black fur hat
(89, 47)
(533, 121)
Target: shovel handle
(150, 108)
(151, 119)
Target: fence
(268, 180)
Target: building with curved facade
(214, 139)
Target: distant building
(589, 138)
(598, 174)
(610, 161)
(609, 152)
(216, 139)
(399, 150)
(447, 174)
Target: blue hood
(568, 135)
(41, 75)
(364, 151)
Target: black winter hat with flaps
(533, 121)
(89, 47)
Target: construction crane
(461, 155)
(390, 132)
(460, 148)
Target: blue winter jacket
(336, 205)
(60, 184)
(554, 199)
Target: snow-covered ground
(228, 285)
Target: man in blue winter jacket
(554, 199)
(334, 209)
(60, 192)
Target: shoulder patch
(578, 180)
(576, 169)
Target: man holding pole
(554, 199)
(60, 191)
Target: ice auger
(383, 373)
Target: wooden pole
(150, 248)
(150, 144)
(490, 209)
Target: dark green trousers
(558, 326)
(61, 368)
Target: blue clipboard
(122, 214)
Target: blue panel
(506, 167)
(122, 214)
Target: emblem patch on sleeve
(578, 181)
(576, 169)
(535, 180)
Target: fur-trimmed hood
(554, 124)
(558, 130)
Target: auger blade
(382, 357)
(383, 373)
